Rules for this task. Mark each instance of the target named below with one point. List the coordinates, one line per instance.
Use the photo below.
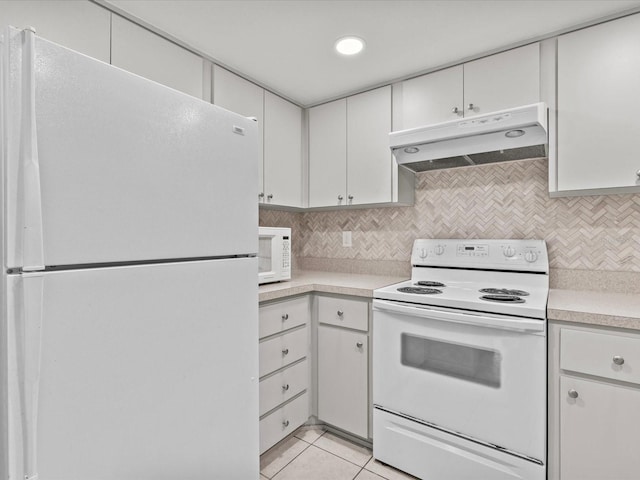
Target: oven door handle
(507, 323)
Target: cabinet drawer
(283, 386)
(283, 421)
(281, 316)
(277, 352)
(601, 354)
(344, 312)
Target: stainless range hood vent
(515, 134)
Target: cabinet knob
(285, 316)
(340, 313)
(572, 393)
(470, 107)
(285, 351)
(340, 197)
(456, 110)
(270, 196)
(350, 197)
(638, 173)
(618, 360)
(261, 195)
(359, 344)
(285, 423)
(285, 387)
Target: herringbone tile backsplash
(507, 200)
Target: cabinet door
(282, 152)
(241, 96)
(431, 98)
(146, 54)
(598, 101)
(343, 379)
(505, 80)
(369, 161)
(598, 431)
(328, 154)
(81, 26)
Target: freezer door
(136, 373)
(105, 166)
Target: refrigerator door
(135, 373)
(104, 166)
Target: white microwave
(274, 254)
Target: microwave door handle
(519, 324)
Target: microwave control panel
(286, 252)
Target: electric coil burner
(459, 362)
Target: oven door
(480, 375)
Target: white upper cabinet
(349, 158)
(81, 26)
(146, 54)
(369, 161)
(282, 152)
(598, 101)
(328, 154)
(505, 80)
(241, 96)
(432, 98)
(500, 81)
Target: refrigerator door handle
(32, 242)
(27, 344)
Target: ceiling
(287, 45)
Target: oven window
(454, 360)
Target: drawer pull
(618, 360)
(340, 313)
(359, 344)
(572, 393)
(285, 424)
(285, 316)
(285, 387)
(285, 351)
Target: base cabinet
(284, 369)
(343, 365)
(594, 403)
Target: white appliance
(129, 303)
(274, 254)
(459, 362)
(513, 134)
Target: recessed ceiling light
(349, 45)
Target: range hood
(513, 134)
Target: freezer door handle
(25, 337)
(32, 242)
(525, 325)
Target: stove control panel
(511, 255)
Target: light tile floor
(315, 454)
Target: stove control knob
(439, 249)
(509, 251)
(531, 256)
(422, 253)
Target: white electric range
(459, 362)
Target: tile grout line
(301, 451)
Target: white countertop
(327, 282)
(621, 310)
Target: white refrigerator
(129, 283)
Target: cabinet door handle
(618, 360)
(340, 313)
(285, 387)
(573, 393)
(340, 197)
(455, 110)
(359, 344)
(638, 173)
(285, 424)
(471, 107)
(270, 196)
(261, 194)
(350, 197)
(285, 351)
(285, 316)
